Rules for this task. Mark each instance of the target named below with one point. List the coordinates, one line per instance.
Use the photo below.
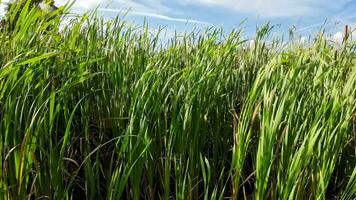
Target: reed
(100, 109)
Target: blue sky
(307, 16)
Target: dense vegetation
(105, 110)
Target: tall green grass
(103, 110)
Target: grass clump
(102, 110)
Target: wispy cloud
(146, 6)
(156, 15)
(309, 27)
(149, 8)
(274, 8)
(83, 4)
(336, 21)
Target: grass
(103, 110)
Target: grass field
(103, 110)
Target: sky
(306, 16)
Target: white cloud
(3, 7)
(156, 15)
(147, 6)
(309, 27)
(2, 11)
(151, 8)
(338, 37)
(83, 4)
(130, 4)
(302, 40)
(251, 44)
(274, 8)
